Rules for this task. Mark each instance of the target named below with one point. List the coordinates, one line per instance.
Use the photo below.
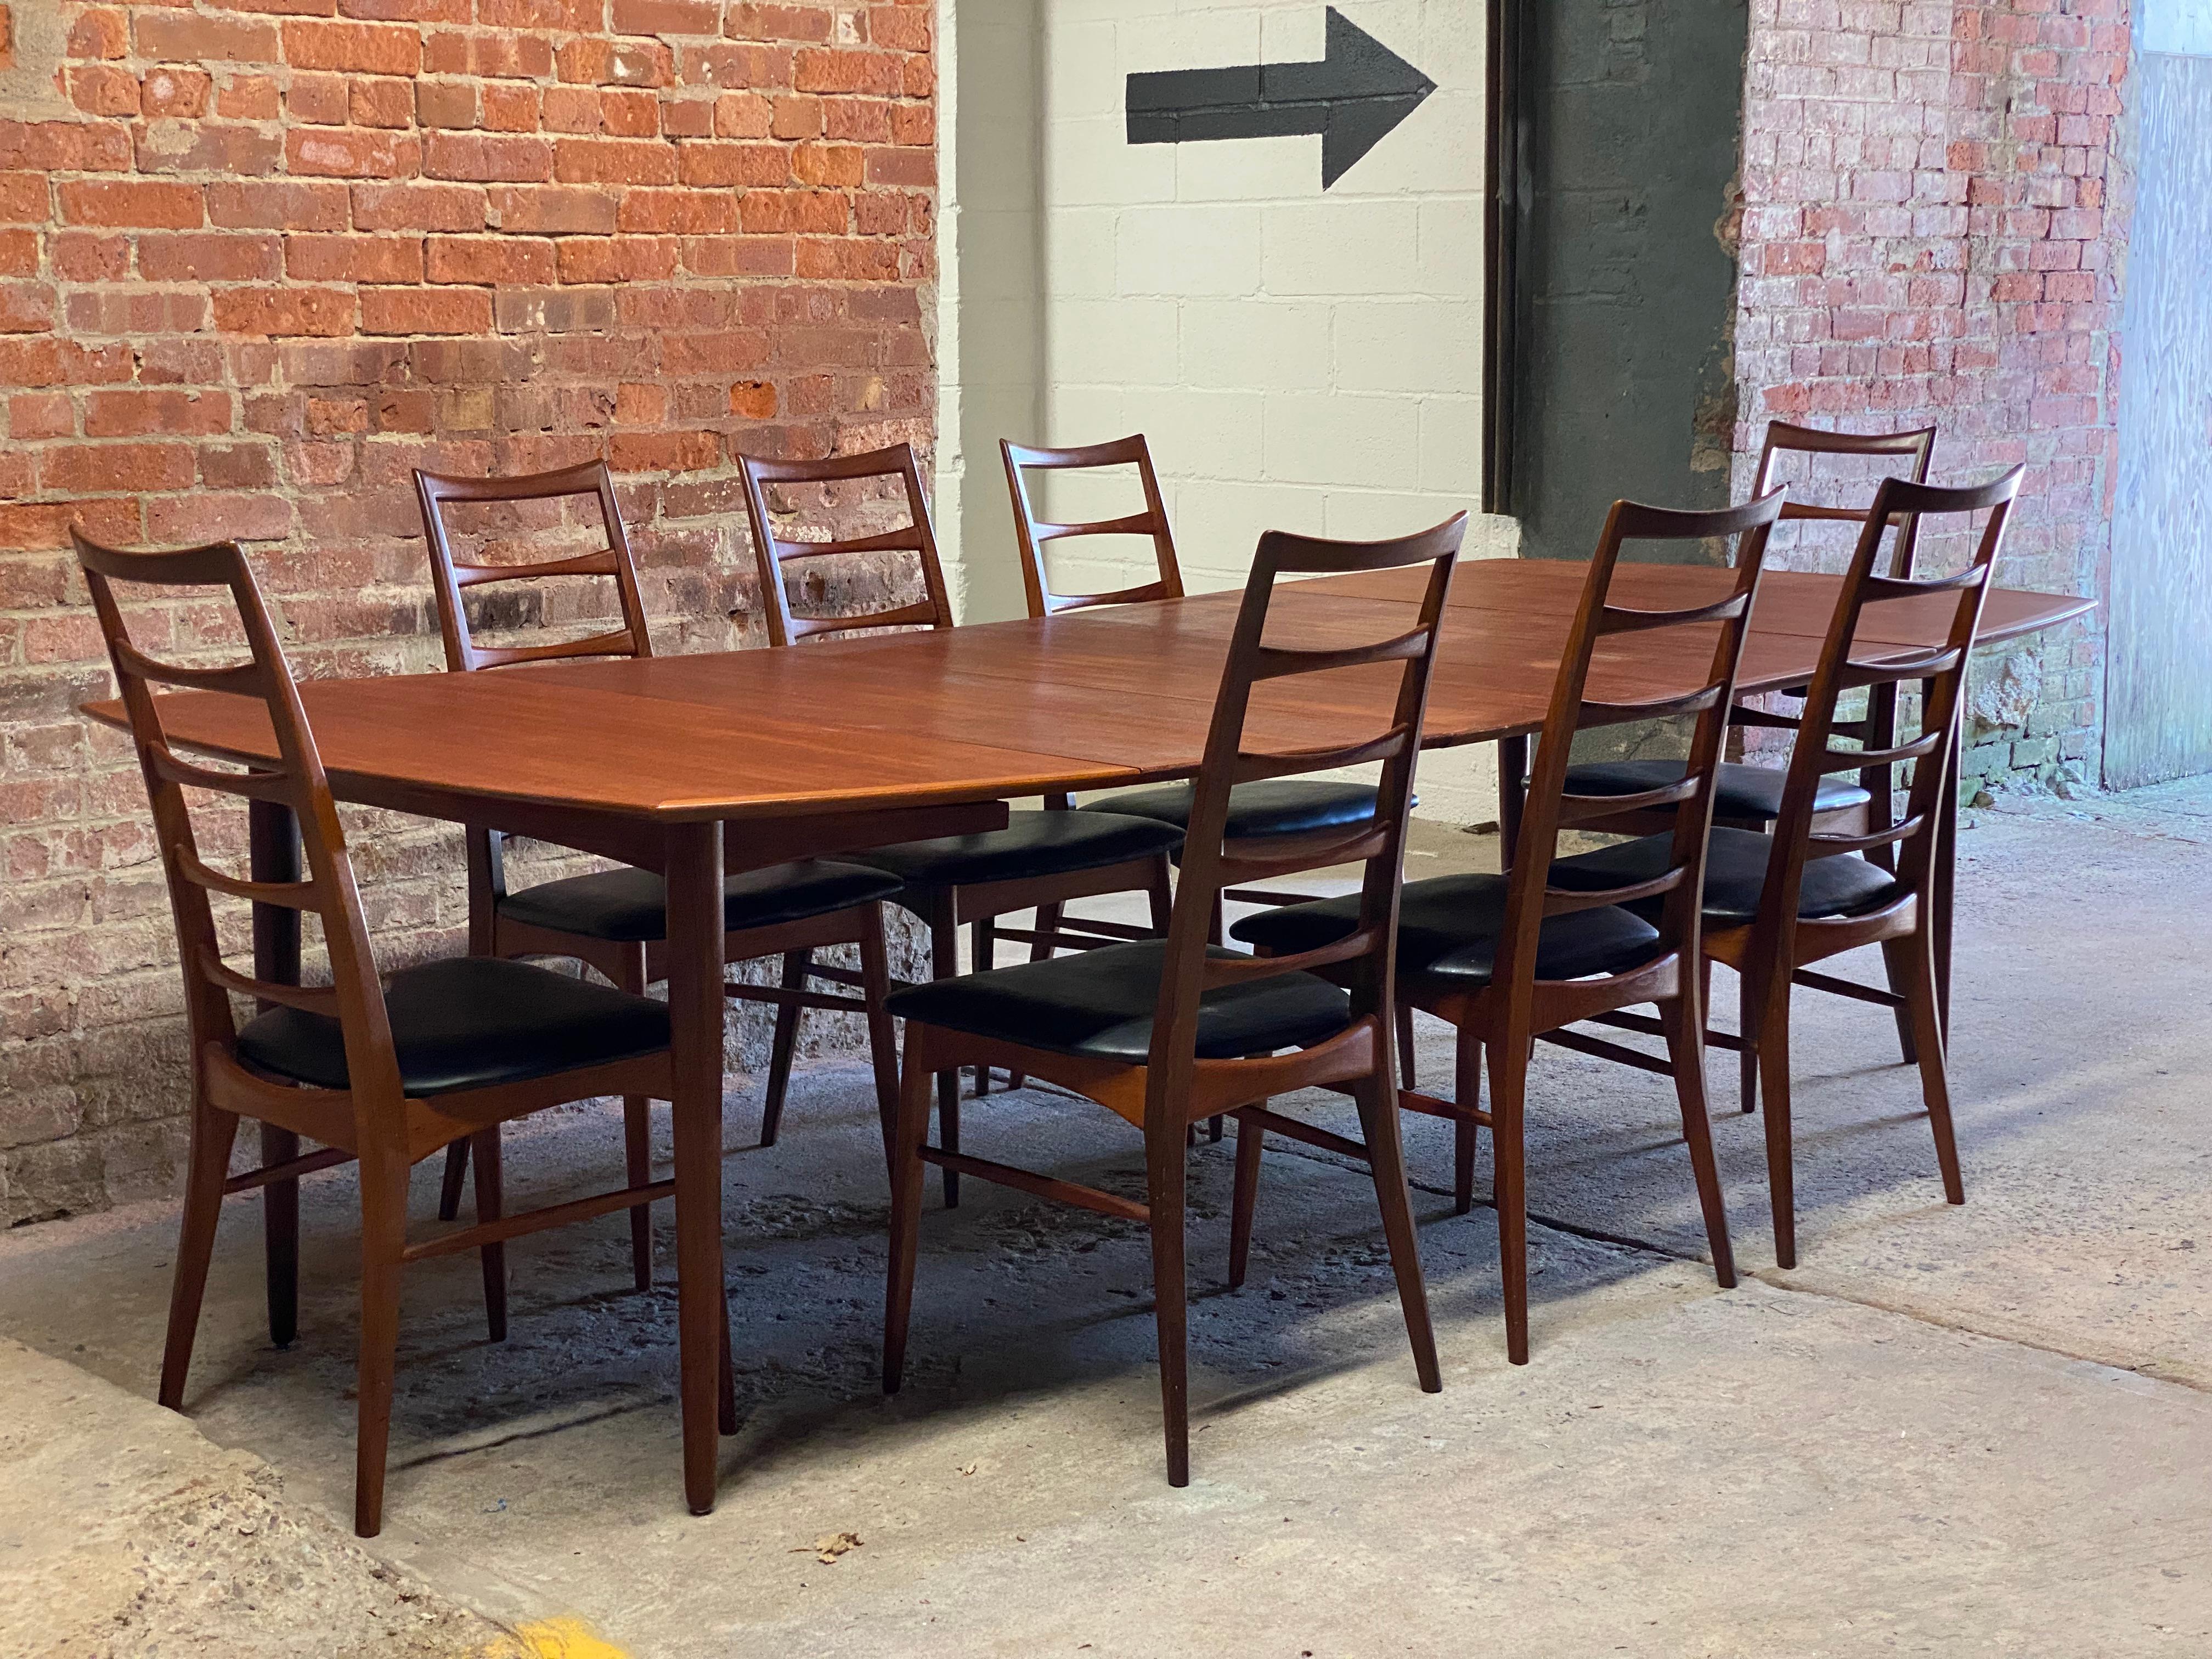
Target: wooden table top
(1083, 701)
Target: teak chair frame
(1778, 949)
(631, 966)
(1172, 1088)
(1504, 1018)
(942, 909)
(371, 1122)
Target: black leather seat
(1735, 876)
(1448, 929)
(1050, 843)
(469, 1023)
(630, 905)
(1101, 1003)
(1272, 806)
(1742, 791)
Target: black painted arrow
(1358, 91)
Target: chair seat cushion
(1741, 792)
(1100, 1003)
(1735, 876)
(630, 905)
(1051, 843)
(1448, 930)
(1272, 806)
(469, 1023)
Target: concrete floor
(1977, 1430)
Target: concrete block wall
(1934, 229)
(259, 261)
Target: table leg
(273, 851)
(1512, 793)
(695, 1004)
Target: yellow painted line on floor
(556, 1638)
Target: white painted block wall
(1298, 359)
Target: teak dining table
(696, 766)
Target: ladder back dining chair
(1510, 960)
(1774, 905)
(616, 920)
(1041, 859)
(1164, 1032)
(383, 1073)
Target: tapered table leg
(1512, 789)
(273, 850)
(695, 1011)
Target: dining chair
(1041, 858)
(1774, 905)
(1749, 796)
(1164, 1032)
(1268, 807)
(380, 1074)
(1510, 959)
(616, 920)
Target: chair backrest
(1035, 531)
(771, 552)
(1784, 438)
(1698, 652)
(1211, 862)
(1908, 843)
(295, 779)
(449, 577)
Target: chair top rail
(601, 563)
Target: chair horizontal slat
(907, 539)
(601, 563)
(1663, 708)
(291, 895)
(919, 614)
(254, 785)
(1923, 744)
(1582, 809)
(244, 679)
(1055, 603)
(1627, 619)
(1563, 901)
(307, 999)
(1839, 515)
(537, 1221)
(1256, 766)
(1583, 1044)
(1827, 845)
(1038, 1185)
(1855, 674)
(1907, 587)
(1264, 858)
(597, 645)
(1290, 1129)
(1274, 662)
(327, 1157)
(1133, 524)
(1231, 970)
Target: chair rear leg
(1246, 1202)
(1774, 1090)
(490, 1206)
(1049, 917)
(1685, 1048)
(908, 1136)
(383, 1235)
(983, 949)
(1897, 962)
(280, 1235)
(214, 1133)
(1385, 1160)
(1749, 1000)
(1508, 1082)
(1164, 1170)
(786, 1044)
(1406, 1045)
(883, 1045)
(1925, 1009)
(1467, 1093)
(456, 1178)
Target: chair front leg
(383, 1235)
(785, 1044)
(883, 1044)
(1246, 1202)
(213, 1132)
(1466, 1091)
(1683, 1020)
(908, 1135)
(1896, 967)
(637, 1138)
(1385, 1160)
(945, 963)
(1924, 996)
(490, 1206)
(1773, 1036)
(1508, 1082)
(454, 1181)
(1165, 1176)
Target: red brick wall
(1933, 217)
(260, 259)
